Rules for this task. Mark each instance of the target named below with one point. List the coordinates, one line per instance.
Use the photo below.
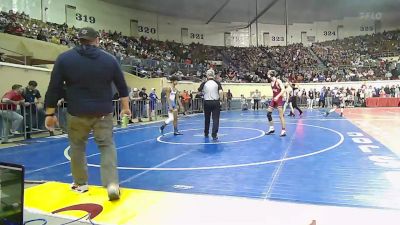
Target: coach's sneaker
(270, 131)
(113, 191)
(283, 133)
(80, 188)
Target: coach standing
(88, 73)
(212, 92)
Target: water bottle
(125, 121)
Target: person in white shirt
(213, 96)
(256, 98)
(397, 91)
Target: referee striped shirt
(210, 89)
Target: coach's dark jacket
(88, 73)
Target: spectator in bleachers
(2, 57)
(3, 22)
(42, 35)
(239, 64)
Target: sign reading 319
(85, 18)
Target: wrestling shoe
(271, 131)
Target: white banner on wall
(240, 38)
(217, 63)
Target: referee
(212, 92)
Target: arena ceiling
(299, 11)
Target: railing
(302, 102)
(149, 110)
(350, 101)
(388, 54)
(23, 121)
(16, 60)
(168, 67)
(154, 74)
(365, 65)
(19, 122)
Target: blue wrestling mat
(321, 160)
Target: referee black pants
(294, 104)
(256, 103)
(211, 107)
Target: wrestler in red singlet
(276, 89)
(276, 102)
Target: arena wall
(31, 47)
(11, 74)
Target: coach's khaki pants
(79, 128)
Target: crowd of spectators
(354, 96)
(357, 58)
(358, 51)
(349, 59)
(119, 45)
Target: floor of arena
(351, 161)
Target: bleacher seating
(349, 59)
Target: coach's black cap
(88, 33)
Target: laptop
(11, 194)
